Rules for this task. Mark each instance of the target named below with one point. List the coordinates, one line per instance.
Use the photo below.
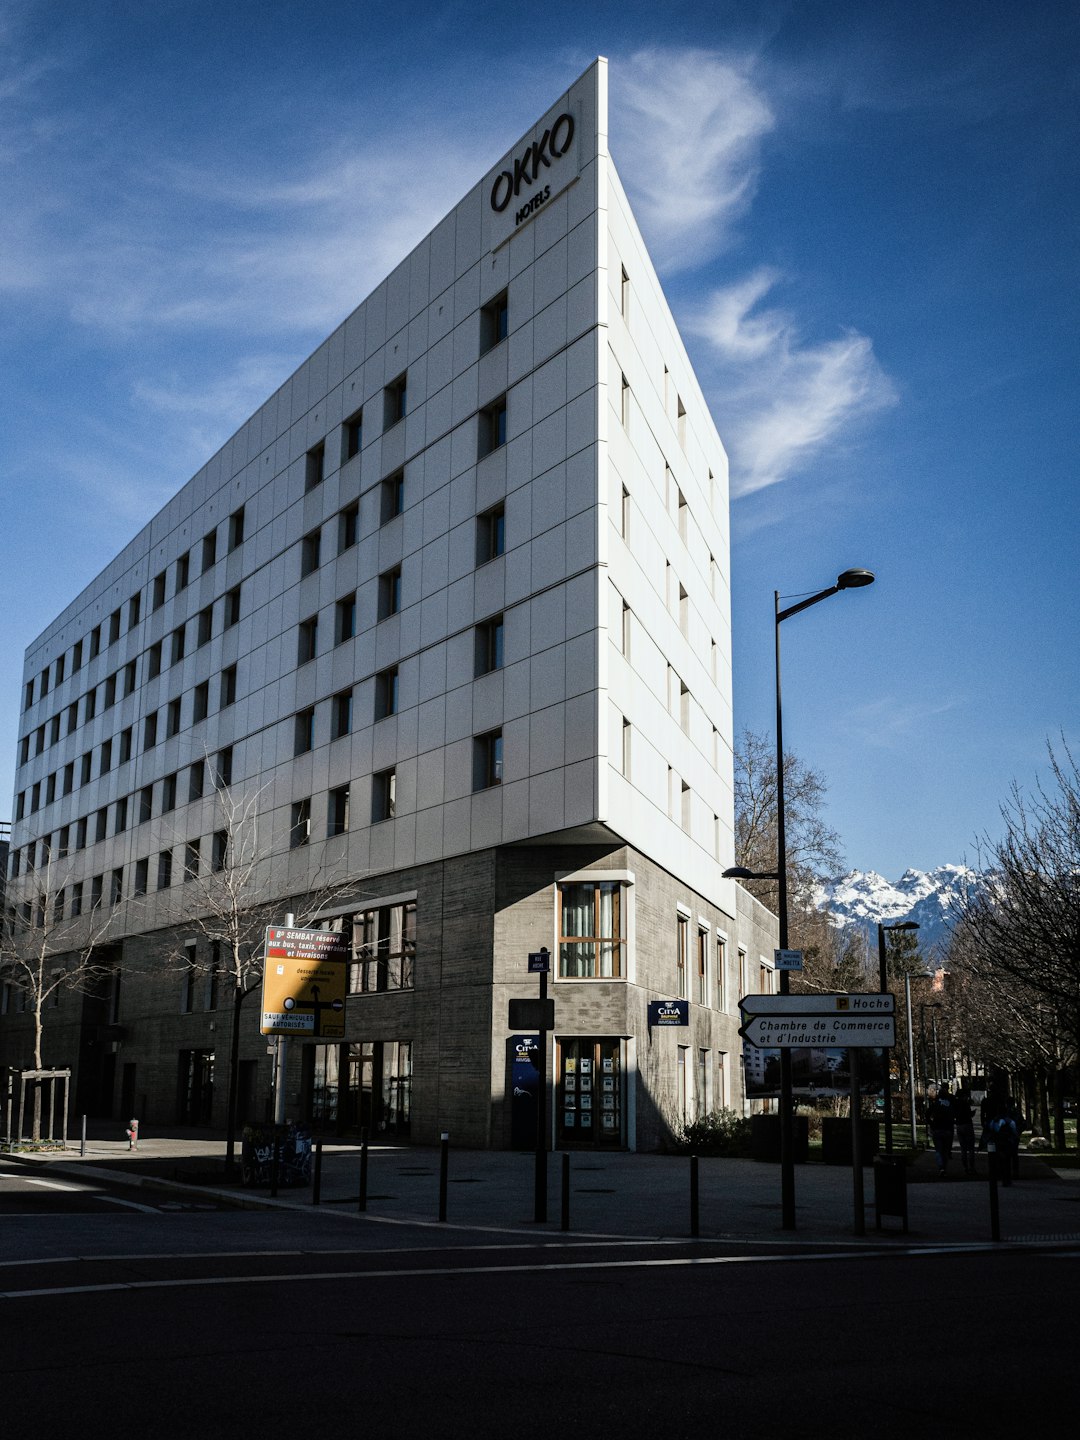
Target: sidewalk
(614, 1195)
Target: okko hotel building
(448, 616)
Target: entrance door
(589, 1092)
(196, 1087)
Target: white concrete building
(455, 604)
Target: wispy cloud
(888, 722)
(688, 128)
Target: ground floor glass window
(589, 1092)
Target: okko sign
(529, 179)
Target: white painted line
(51, 1184)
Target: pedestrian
(965, 1128)
(1003, 1121)
(941, 1117)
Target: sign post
(305, 973)
(540, 964)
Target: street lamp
(883, 979)
(849, 580)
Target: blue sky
(865, 217)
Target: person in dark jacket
(941, 1119)
(965, 1128)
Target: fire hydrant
(133, 1134)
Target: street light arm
(805, 604)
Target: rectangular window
(76, 656)
(624, 294)
(307, 640)
(236, 528)
(206, 624)
(73, 717)
(304, 731)
(489, 645)
(85, 766)
(63, 847)
(383, 796)
(627, 732)
(101, 823)
(76, 899)
(384, 949)
(352, 436)
(95, 641)
(721, 973)
(54, 728)
(96, 889)
(168, 793)
(220, 853)
(209, 551)
(110, 694)
(80, 833)
(142, 874)
(232, 607)
(682, 946)
(223, 767)
(191, 860)
(624, 403)
(389, 592)
(129, 678)
(348, 527)
(310, 548)
(337, 811)
(703, 967)
(490, 534)
(134, 610)
(591, 936)
(150, 731)
(491, 433)
(24, 749)
(395, 401)
(315, 465)
(105, 761)
(158, 591)
(228, 686)
(487, 760)
(153, 663)
(345, 619)
(494, 322)
(172, 720)
(341, 714)
(392, 497)
(58, 671)
(188, 974)
(177, 645)
(680, 420)
(183, 572)
(116, 888)
(69, 777)
(196, 780)
(300, 824)
(386, 693)
(146, 803)
(50, 783)
(89, 711)
(114, 626)
(28, 695)
(201, 702)
(164, 869)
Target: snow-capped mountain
(864, 898)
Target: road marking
(50, 1184)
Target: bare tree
(48, 943)
(230, 904)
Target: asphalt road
(163, 1323)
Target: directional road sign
(304, 981)
(818, 1004)
(833, 1032)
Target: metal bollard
(316, 1183)
(363, 1168)
(995, 1216)
(565, 1216)
(444, 1165)
(694, 1214)
(82, 1138)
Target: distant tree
(44, 948)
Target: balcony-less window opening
(150, 731)
(201, 702)
(146, 803)
(154, 660)
(341, 714)
(159, 591)
(69, 777)
(116, 886)
(680, 420)
(89, 711)
(39, 737)
(386, 693)
(95, 642)
(624, 295)
(489, 645)
(591, 937)
(142, 875)
(134, 610)
(310, 549)
(206, 625)
(120, 816)
(80, 833)
(494, 322)
(196, 780)
(20, 805)
(624, 402)
(315, 465)
(54, 723)
(490, 534)
(352, 436)
(101, 824)
(228, 686)
(168, 793)
(50, 783)
(307, 640)
(209, 550)
(304, 731)
(348, 527)
(73, 717)
(384, 947)
(172, 720)
(125, 744)
(383, 796)
(236, 528)
(110, 694)
(223, 767)
(164, 869)
(300, 825)
(395, 401)
(389, 592)
(105, 762)
(220, 853)
(24, 750)
(183, 572)
(232, 607)
(337, 811)
(703, 967)
(191, 860)
(35, 796)
(682, 946)
(627, 732)
(84, 767)
(114, 626)
(345, 619)
(129, 678)
(487, 760)
(28, 695)
(76, 656)
(491, 431)
(392, 497)
(58, 671)
(177, 645)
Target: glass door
(589, 1092)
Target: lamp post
(849, 580)
(883, 986)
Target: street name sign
(305, 975)
(873, 1004)
(787, 959)
(834, 1032)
